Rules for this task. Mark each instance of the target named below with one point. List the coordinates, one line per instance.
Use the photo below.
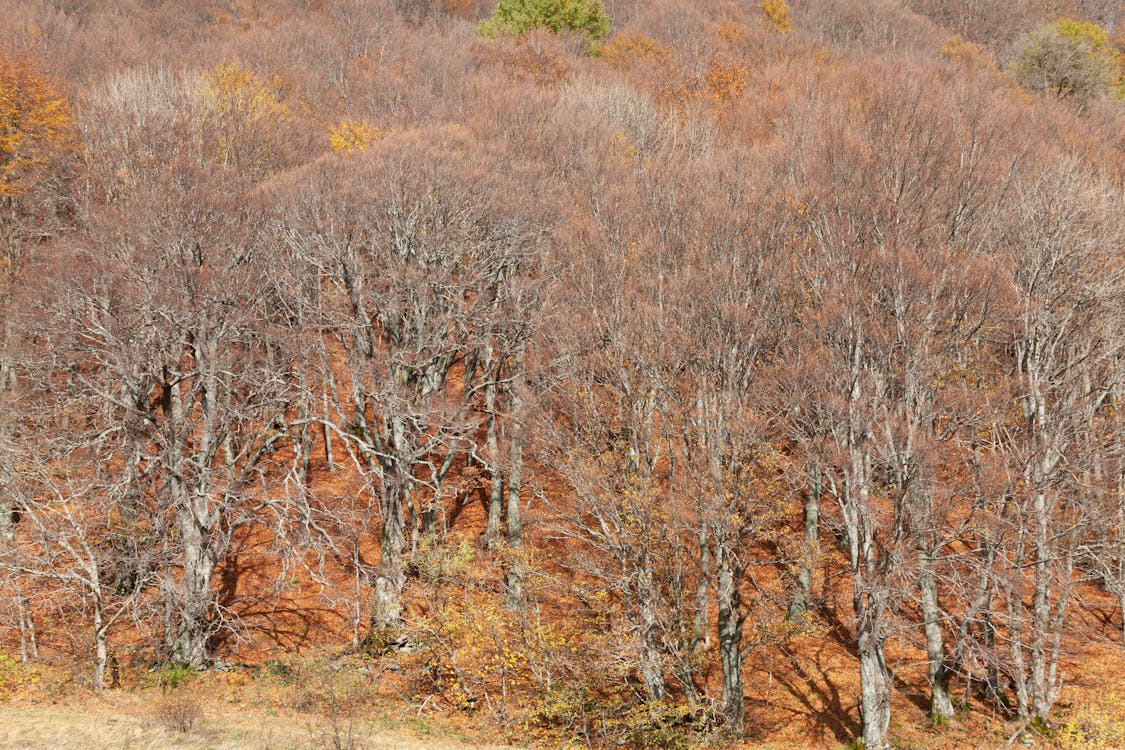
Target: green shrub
(172, 676)
(587, 17)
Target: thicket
(1071, 60)
(587, 17)
(595, 397)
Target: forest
(594, 373)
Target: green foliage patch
(587, 17)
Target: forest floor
(807, 704)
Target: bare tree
(409, 276)
(164, 308)
(80, 537)
(1066, 348)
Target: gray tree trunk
(7, 374)
(29, 647)
(940, 702)
(800, 604)
(874, 678)
(386, 611)
(327, 433)
(191, 646)
(496, 487)
(702, 636)
(101, 653)
(514, 598)
(651, 658)
(729, 627)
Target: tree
(410, 281)
(38, 145)
(38, 148)
(1069, 59)
(730, 293)
(603, 423)
(1066, 348)
(894, 282)
(163, 305)
(83, 533)
(587, 17)
(37, 132)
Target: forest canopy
(636, 373)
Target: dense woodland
(582, 354)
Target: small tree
(520, 16)
(1071, 60)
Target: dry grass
(128, 723)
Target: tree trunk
(729, 627)
(874, 679)
(101, 654)
(329, 464)
(1121, 607)
(702, 635)
(496, 488)
(6, 531)
(29, 648)
(191, 646)
(386, 612)
(800, 603)
(514, 598)
(651, 661)
(940, 702)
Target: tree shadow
(818, 695)
(270, 607)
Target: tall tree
(410, 275)
(1067, 284)
(164, 307)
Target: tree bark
(101, 657)
(940, 702)
(492, 442)
(651, 661)
(191, 646)
(729, 627)
(800, 604)
(874, 678)
(386, 611)
(29, 648)
(514, 598)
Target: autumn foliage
(37, 131)
(640, 374)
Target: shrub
(350, 136)
(32, 681)
(37, 132)
(777, 11)
(172, 676)
(1094, 727)
(335, 690)
(588, 17)
(1069, 59)
(178, 711)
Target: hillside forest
(631, 373)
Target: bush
(178, 711)
(32, 681)
(587, 17)
(1071, 60)
(172, 676)
(335, 690)
(1094, 727)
